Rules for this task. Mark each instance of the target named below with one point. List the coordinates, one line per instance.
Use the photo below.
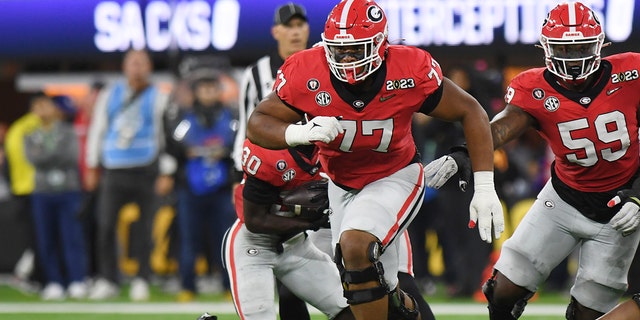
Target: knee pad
(575, 310)
(501, 312)
(398, 310)
(373, 273)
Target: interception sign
(241, 28)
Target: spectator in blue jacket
(201, 141)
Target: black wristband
(462, 147)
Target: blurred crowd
(142, 196)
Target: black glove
(322, 222)
(439, 171)
(460, 155)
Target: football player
(586, 108)
(267, 242)
(360, 93)
(264, 226)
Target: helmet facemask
(572, 60)
(365, 54)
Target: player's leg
(367, 225)
(406, 279)
(600, 283)
(576, 311)
(290, 307)
(506, 299)
(311, 275)
(628, 310)
(249, 267)
(527, 258)
(365, 287)
(408, 284)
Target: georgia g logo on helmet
(374, 14)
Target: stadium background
(63, 46)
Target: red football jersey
(377, 140)
(594, 135)
(276, 167)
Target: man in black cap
(291, 31)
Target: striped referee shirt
(257, 82)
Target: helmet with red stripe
(355, 39)
(572, 38)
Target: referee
(291, 32)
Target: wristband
(295, 135)
(483, 181)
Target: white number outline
(251, 164)
(604, 135)
(433, 73)
(368, 128)
(283, 81)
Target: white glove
(628, 218)
(485, 207)
(323, 129)
(439, 171)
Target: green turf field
(16, 305)
(85, 316)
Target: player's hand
(486, 209)
(322, 222)
(627, 219)
(320, 128)
(439, 171)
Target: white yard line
(227, 308)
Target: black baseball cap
(286, 12)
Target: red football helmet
(572, 38)
(355, 39)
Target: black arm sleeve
(432, 100)
(259, 191)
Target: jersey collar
(359, 101)
(603, 75)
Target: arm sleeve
(259, 191)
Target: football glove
(320, 128)
(439, 171)
(485, 208)
(627, 219)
